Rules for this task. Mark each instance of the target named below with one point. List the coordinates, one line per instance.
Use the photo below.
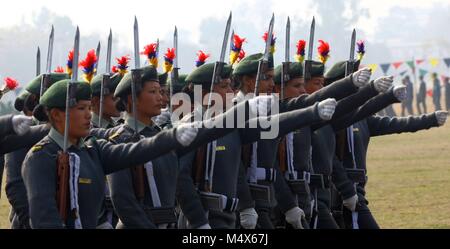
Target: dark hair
(40, 113)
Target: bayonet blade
(108, 53)
(175, 46)
(311, 39)
(288, 37)
(225, 39)
(231, 40)
(269, 39)
(352, 46)
(97, 53)
(70, 94)
(76, 50)
(137, 61)
(50, 51)
(38, 61)
(157, 48)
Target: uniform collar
(105, 123)
(240, 96)
(59, 139)
(130, 121)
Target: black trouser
(365, 218)
(222, 220)
(264, 221)
(326, 220)
(424, 106)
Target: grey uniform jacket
(324, 137)
(228, 170)
(379, 126)
(97, 158)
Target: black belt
(161, 215)
(319, 181)
(218, 202)
(356, 175)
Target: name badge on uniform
(84, 180)
(355, 129)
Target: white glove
(21, 124)
(400, 92)
(186, 133)
(383, 84)
(205, 226)
(441, 117)
(249, 218)
(294, 217)
(351, 202)
(162, 118)
(361, 77)
(260, 105)
(326, 108)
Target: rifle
(211, 201)
(138, 172)
(258, 191)
(63, 167)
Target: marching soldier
(15, 188)
(375, 126)
(90, 159)
(218, 179)
(421, 97)
(146, 199)
(108, 218)
(323, 137)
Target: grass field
(409, 180)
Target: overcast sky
(393, 29)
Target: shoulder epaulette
(116, 134)
(39, 146)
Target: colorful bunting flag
(373, 67)
(447, 62)
(397, 64)
(422, 72)
(434, 62)
(385, 67)
(418, 62)
(411, 64)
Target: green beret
(55, 96)
(295, 71)
(180, 84)
(19, 103)
(162, 77)
(249, 65)
(149, 73)
(337, 71)
(35, 85)
(317, 69)
(110, 85)
(203, 74)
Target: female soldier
(90, 160)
